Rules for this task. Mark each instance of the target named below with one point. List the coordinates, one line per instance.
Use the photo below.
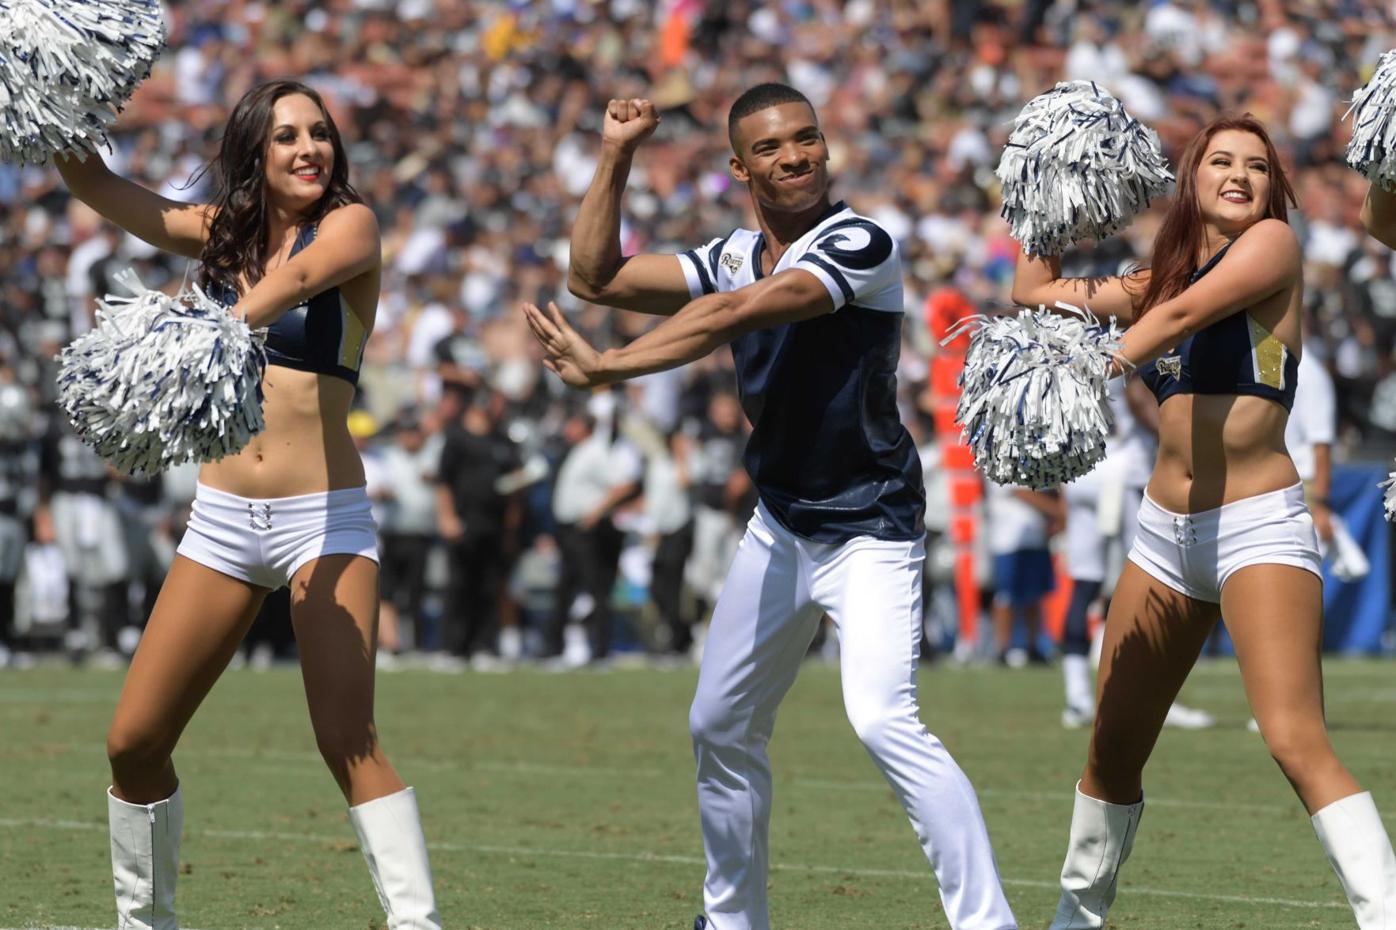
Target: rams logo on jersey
(1171, 366)
(732, 262)
(856, 244)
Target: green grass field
(566, 801)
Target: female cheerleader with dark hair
(1223, 529)
(288, 244)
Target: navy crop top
(1235, 355)
(321, 335)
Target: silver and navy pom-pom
(66, 69)
(1372, 148)
(1077, 166)
(163, 380)
(1034, 403)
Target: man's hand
(565, 353)
(451, 527)
(628, 123)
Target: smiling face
(782, 157)
(299, 154)
(1233, 181)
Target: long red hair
(1180, 238)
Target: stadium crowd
(517, 515)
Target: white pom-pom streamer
(1077, 166)
(1372, 148)
(163, 380)
(1034, 406)
(1390, 499)
(67, 67)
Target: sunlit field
(566, 801)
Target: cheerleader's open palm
(565, 352)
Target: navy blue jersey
(828, 453)
(1235, 355)
(321, 335)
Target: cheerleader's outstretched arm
(169, 225)
(346, 245)
(1264, 260)
(1038, 281)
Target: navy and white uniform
(837, 530)
(828, 453)
(1195, 553)
(266, 541)
(1235, 355)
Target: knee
(133, 751)
(878, 724)
(704, 722)
(1297, 750)
(713, 725)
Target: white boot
(1102, 835)
(145, 861)
(1359, 850)
(390, 834)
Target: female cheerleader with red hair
(1214, 331)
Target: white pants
(778, 587)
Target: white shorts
(265, 542)
(1194, 554)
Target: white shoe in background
(1075, 718)
(1188, 718)
(576, 646)
(511, 644)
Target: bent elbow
(303, 286)
(581, 288)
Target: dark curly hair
(237, 236)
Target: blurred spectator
(723, 496)
(668, 513)
(408, 467)
(1020, 524)
(76, 491)
(600, 473)
(19, 474)
(478, 523)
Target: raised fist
(628, 123)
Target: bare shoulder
(1271, 234)
(350, 219)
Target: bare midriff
(1218, 448)
(304, 449)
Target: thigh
(1274, 614)
(334, 609)
(872, 593)
(199, 619)
(761, 628)
(1153, 636)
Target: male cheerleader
(811, 302)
